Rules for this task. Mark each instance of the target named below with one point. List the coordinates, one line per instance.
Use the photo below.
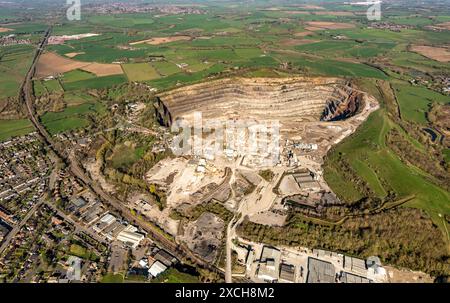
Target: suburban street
(27, 98)
(17, 228)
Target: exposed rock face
(284, 99)
(162, 113)
(342, 105)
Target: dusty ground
(93, 167)
(151, 211)
(321, 25)
(440, 54)
(268, 218)
(406, 276)
(296, 12)
(303, 34)
(162, 40)
(294, 42)
(182, 181)
(445, 25)
(118, 259)
(311, 6)
(204, 236)
(51, 64)
(296, 103)
(335, 13)
(71, 55)
(101, 69)
(289, 186)
(4, 29)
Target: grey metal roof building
(355, 265)
(320, 271)
(287, 272)
(270, 253)
(350, 278)
(165, 258)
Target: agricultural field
(198, 42)
(77, 75)
(415, 102)
(71, 118)
(14, 63)
(95, 83)
(13, 128)
(140, 72)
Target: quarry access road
(26, 96)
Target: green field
(112, 278)
(13, 128)
(414, 101)
(140, 71)
(95, 83)
(71, 118)
(124, 155)
(390, 175)
(346, 48)
(185, 78)
(447, 155)
(42, 87)
(368, 146)
(77, 75)
(333, 67)
(39, 88)
(166, 68)
(14, 64)
(52, 85)
(174, 276)
(77, 98)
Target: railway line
(26, 96)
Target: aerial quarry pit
(313, 113)
(225, 142)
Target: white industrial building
(130, 237)
(156, 269)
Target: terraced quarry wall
(288, 100)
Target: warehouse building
(130, 236)
(156, 269)
(320, 271)
(287, 273)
